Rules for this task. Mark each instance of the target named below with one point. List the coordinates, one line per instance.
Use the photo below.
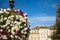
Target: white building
(41, 33)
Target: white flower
(9, 17)
(15, 10)
(15, 22)
(18, 10)
(9, 30)
(25, 32)
(19, 38)
(7, 27)
(16, 28)
(1, 12)
(19, 16)
(1, 19)
(4, 26)
(7, 12)
(4, 37)
(18, 23)
(1, 30)
(1, 16)
(25, 14)
(20, 26)
(12, 15)
(4, 10)
(25, 17)
(12, 22)
(23, 20)
(13, 32)
(16, 36)
(13, 28)
(5, 18)
(16, 15)
(22, 31)
(26, 28)
(1, 27)
(8, 22)
(11, 36)
(24, 24)
(8, 9)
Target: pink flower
(18, 31)
(21, 13)
(26, 15)
(7, 35)
(0, 35)
(26, 19)
(14, 18)
(28, 29)
(9, 25)
(4, 31)
(23, 38)
(1, 38)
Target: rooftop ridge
(43, 27)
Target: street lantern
(11, 4)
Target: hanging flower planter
(14, 25)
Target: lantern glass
(11, 0)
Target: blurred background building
(41, 33)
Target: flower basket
(14, 25)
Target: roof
(40, 27)
(43, 27)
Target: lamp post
(11, 4)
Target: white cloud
(43, 18)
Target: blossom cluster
(13, 24)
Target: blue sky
(40, 12)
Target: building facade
(41, 33)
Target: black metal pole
(11, 4)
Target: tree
(56, 34)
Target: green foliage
(56, 34)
